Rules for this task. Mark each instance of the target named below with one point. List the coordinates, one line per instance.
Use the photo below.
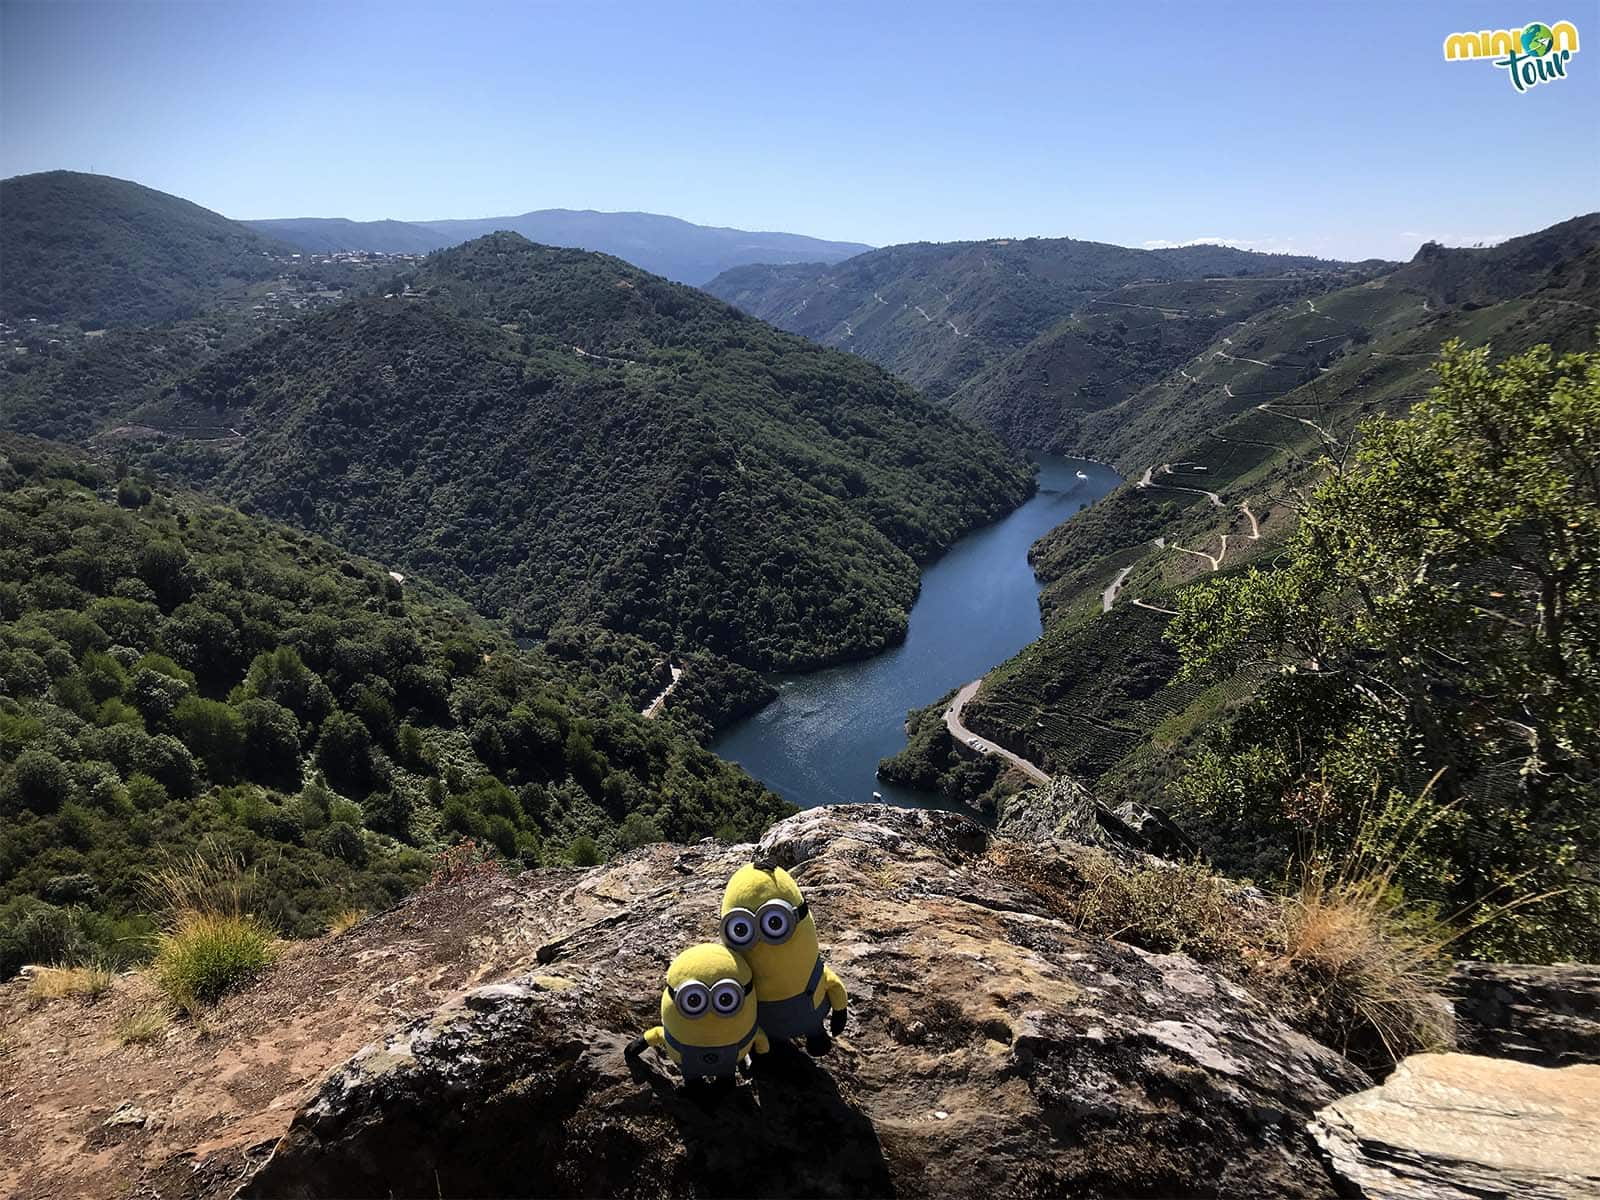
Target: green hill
(1018, 333)
(559, 436)
(100, 251)
(177, 674)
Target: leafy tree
(38, 780)
(1438, 613)
(344, 753)
(271, 743)
(214, 732)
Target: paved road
(965, 737)
(653, 710)
(1109, 596)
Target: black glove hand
(635, 1048)
(837, 1019)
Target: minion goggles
(774, 922)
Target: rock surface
(1063, 811)
(1544, 1015)
(1463, 1127)
(991, 1051)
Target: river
(820, 741)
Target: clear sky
(1307, 125)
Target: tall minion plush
(708, 1024)
(767, 920)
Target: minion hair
(764, 862)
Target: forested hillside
(174, 673)
(1222, 457)
(1020, 334)
(100, 251)
(559, 436)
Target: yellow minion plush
(708, 1025)
(767, 920)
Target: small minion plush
(767, 920)
(708, 1024)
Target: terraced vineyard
(1250, 418)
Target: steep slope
(666, 246)
(1215, 454)
(942, 315)
(328, 234)
(558, 435)
(174, 674)
(103, 251)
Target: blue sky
(1318, 127)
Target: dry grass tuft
(1167, 908)
(1356, 973)
(62, 983)
(216, 883)
(143, 1025)
(211, 943)
(345, 919)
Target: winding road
(1166, 469)
(653, 710)
(1109, 596)
(965, 737)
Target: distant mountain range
(665, 246)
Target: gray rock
(991, 1051)
(1545, 1015)
(1463, 1127)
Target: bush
(583, 852)
(32, 931)
(389, 812)
(206, 955)
(214, 732)
(39, 781)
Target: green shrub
(206, 955)
(583, 852)
(39, 781)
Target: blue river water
(820, 741)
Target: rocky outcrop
(991, 1051)
(1544, 1015)
(1463, 1127)
(1065, 812)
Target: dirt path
(605, 358)
(1166, 469)
(653, 710)
(1255, 526)
(1144, 604)
(965, 737)
(1214, 559)
(1323, 433)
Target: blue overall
(796, 1016)
(711, 1061)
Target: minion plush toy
(767, 920)
(708, 1024)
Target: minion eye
(693, 999)
(777, 922)
(727, 998)
(739, 929)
